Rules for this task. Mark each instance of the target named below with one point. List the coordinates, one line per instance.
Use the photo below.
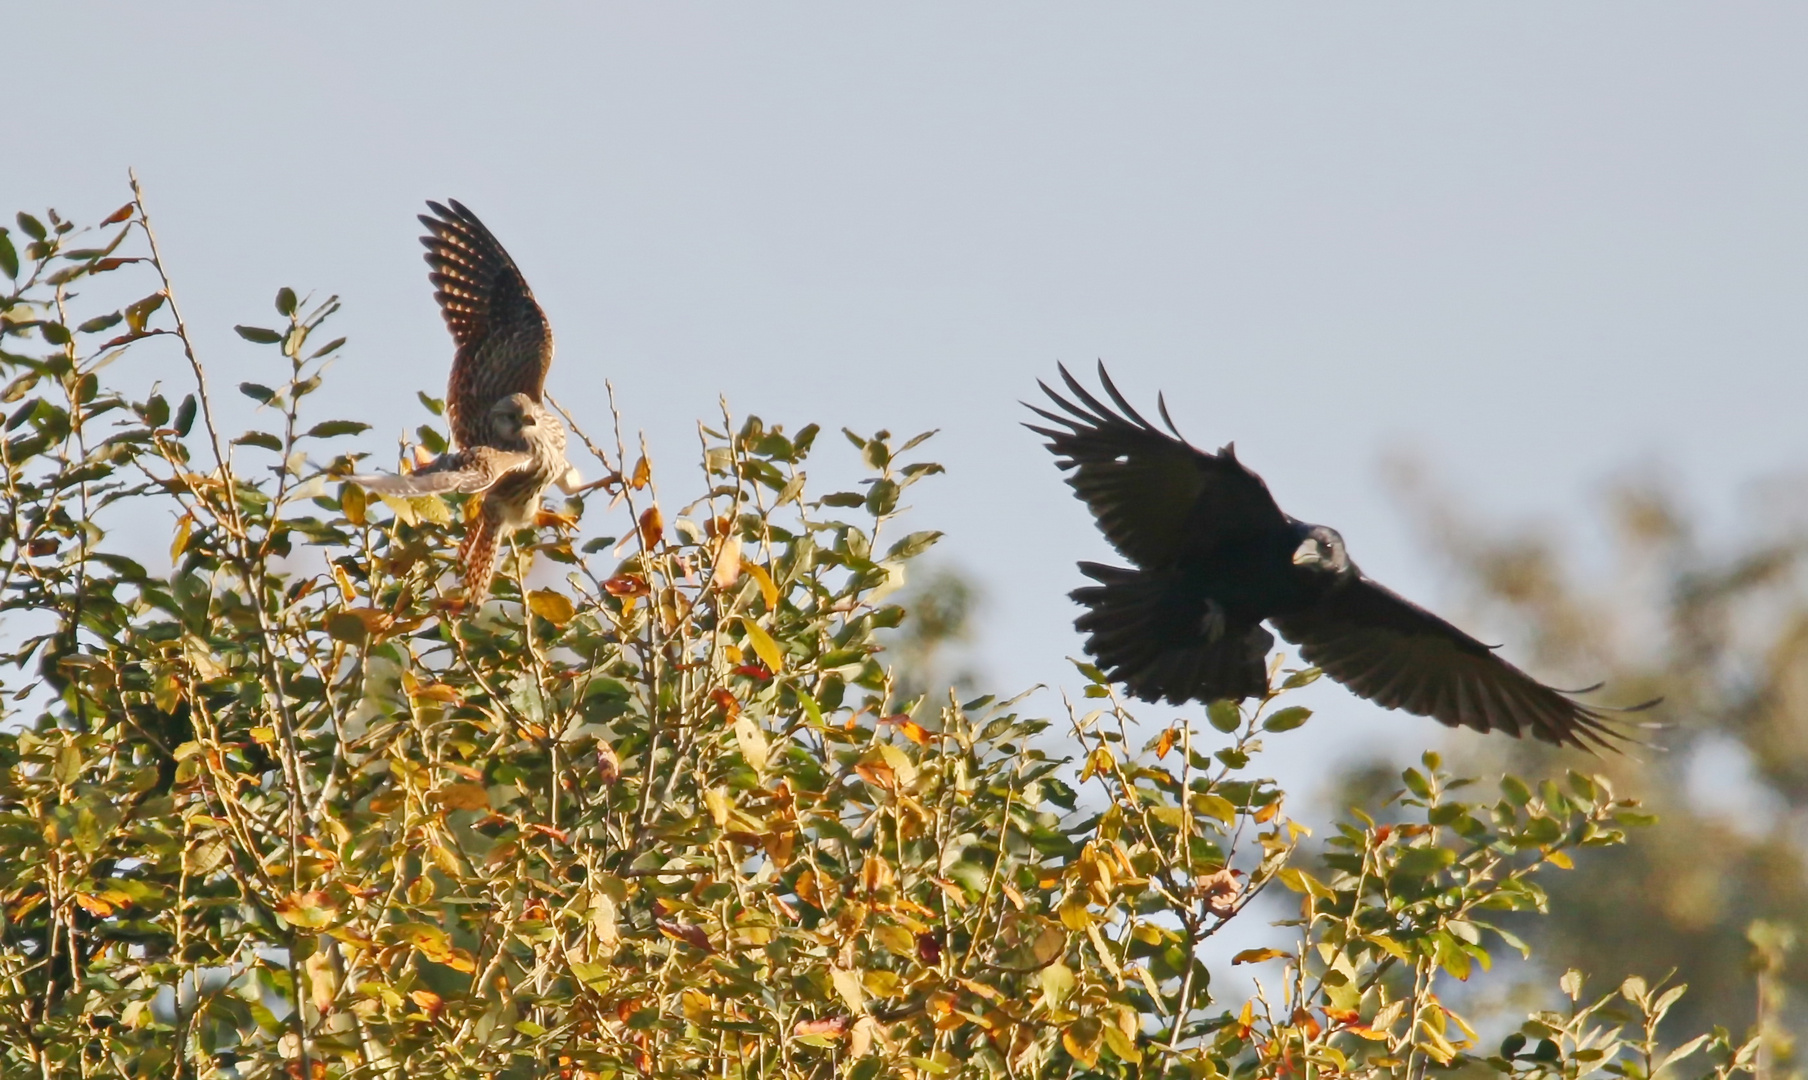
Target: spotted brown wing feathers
(504, 342)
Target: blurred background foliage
(1716, 620)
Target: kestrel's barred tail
(504, 342)
(477, 555)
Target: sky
(1531, 245)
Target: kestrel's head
(510, 416)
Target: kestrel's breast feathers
(504, 342)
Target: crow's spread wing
(504, 342)
(465, 471)
(1154, 495)
(1390, 650)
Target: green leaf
(261, 394)
(913, 545)
(1224, 715)
(31, 226)
(9, 258)
(1287, 719)
(1303, 677)
(882, 498)
(185, 415)
(1422, 862)
(258, 334)
(333, 428)
(99, 323)
(139, 312)
(285, 301)
(260, 439)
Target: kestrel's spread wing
(504, 342)
(467, 472)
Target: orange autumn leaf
(912, 730)
(627, 585)
(830, 1025)
(652, 526)
(1166, 742)
(689, 933)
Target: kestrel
(506, 445)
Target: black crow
(1215, 558)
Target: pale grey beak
(1309, 553)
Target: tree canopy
(663, 807)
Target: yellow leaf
(1390, 946)
(352, 502)
(850, 986)
(728, 563)
(1215, 806)
(1083, 1039)
(554, 607)
(643, 473)
(183, 528)
(716, 799)
(462, 797)
(263, 736)
(895, 939)
(695, 1004)
(94, 905)
(1256, 956)
(323, 981)
(768, 590)
(764, 645)
(402, 508)
(1073, 911)
(310, 909)
(752, 742)
(433, 508)
(1124, 1046)
(429, 939)
(1148, 981)
(1057, 982)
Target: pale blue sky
(1532, 242)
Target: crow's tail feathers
(1147, 634)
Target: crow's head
(1321, 550)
